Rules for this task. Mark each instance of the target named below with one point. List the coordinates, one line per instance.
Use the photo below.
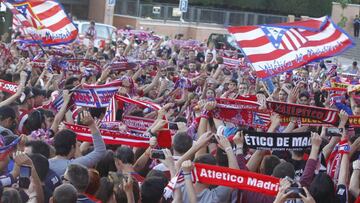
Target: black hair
(97, 112)
(34, 121)
(182, 142)
(64, 141)
(78, 176)
(7, 112)
(157, 173)
(106, 189)
(65, 193)
(270, 162)
(39, 146)
(11, 195)
(206, 159)
(152, 190)
(106, 164)
(69, 83)
(304, 94)
(322, 189)
(125, 154)
(284, 169)
(41, 165)
(221, 158)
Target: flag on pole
(44, 20)
(277, 48)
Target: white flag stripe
(264, 49)
(287, 43)
(251, 35)
(54, 18)
(330, 30)
(41, 8)
(295, 32)
(303, 50)
(294, 39)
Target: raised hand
(86, 118)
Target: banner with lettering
(241, 179)
(277, 141)
(8, 87)
(324, 115)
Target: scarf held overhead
(244, 180)
(116, 137)
(277, 141)
(241, 112)
(324, 115)
(8, 87)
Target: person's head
(37, 147)
(106, 164)
(284, 169)
(322, 189)
(8, 118)
(64, 193)
(94, 182)
(209, 57)
(268, 164)
(41, 165)
(65, 143)
(78, 176)
(152, 190)
(304, 73)
(182, 142)
(232, 85)
(354, 64)
(120, 194)
(185, 72)
(357, 110)
(283, 96)
(92, 23)
(48, 116)
(210, 93)
(35, 121)
(243, 88)
(105, 193)
(71, 82)
(304, 98)
(11, 195)
(27, 99)
(39, 96)
(206, 159)
(124, 155)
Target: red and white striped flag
(44, 20)
(277, 48)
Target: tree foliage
(314, 8)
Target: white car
(104, 33)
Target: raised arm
(354, 188)
(344, 150)
(19, 91)
(189, 187)
(93, 157)
(60, 115)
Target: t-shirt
(215, 195)
(299, 166)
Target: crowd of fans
(184, 81)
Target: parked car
(104, 32)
